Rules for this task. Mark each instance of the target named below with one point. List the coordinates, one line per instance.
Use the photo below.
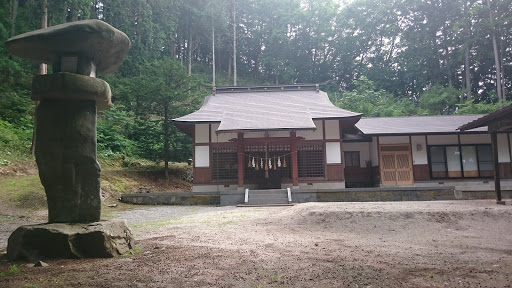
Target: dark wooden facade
(330, 172)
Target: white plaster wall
(332, 129)
(442, 139)
(333, 152)
(221, 137)
(475, 139)
(419, 156)
(318, 134)
(393, 139)
(364, 151)
(202, 156)
(503, 149)
(202, 133)
(374, 153)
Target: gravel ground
(158, 213)
(384, 244)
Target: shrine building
(292, 136)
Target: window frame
(461, 163)
(358, 164)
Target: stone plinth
(103, 239)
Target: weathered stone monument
(66, 139)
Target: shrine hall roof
(409, 125)
(260, 108)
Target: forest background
(376, 57)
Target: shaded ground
(391, 244)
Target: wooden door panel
(388, 168)
(396, 166)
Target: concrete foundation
(236, 197)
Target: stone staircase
(268, 197)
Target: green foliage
(113, 126)
(161, 92)
(14, 140)
(17, 109)
(472, 107)
(373, 102)
(146, 133)
(439, 100)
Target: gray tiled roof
(266, 110)
(416, 124)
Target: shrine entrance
(267, 164)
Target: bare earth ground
(386, 244)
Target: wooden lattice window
(311, 161)
(224, 163)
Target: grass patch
(13, 270)
(25, 192)
(135, 250)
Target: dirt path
(390, 244)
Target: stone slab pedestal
(104, 239)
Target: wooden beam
(241, 159)
(295, 162)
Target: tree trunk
(497, 61)
(503, 78)
(468, 73)
(189, 46)
(447, 57)
(467, 67)
(234, 46)
(14, 14)
(213, 53)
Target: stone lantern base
(104, 239)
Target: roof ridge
(422, 116)
(266, 88)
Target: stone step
(267, 201)
(268, 197)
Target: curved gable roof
(266, 108)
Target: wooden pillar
(342, 154)
(241, 159)
(295, 162)
(497, 184)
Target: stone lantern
(66, 135)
